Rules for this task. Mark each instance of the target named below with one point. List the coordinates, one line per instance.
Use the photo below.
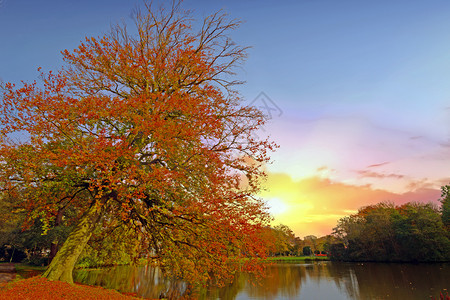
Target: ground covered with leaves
(41, 288)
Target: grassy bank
(26, 267)
(296, 258)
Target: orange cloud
(313, 205)
(366, 173)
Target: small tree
(445, 208)
(284, 239)
(307, 251)
(143, 131)
(312, 241)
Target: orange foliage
(40, 288)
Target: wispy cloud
(418, 184)
(322, 168)
(416, 137)
(367, 173)
(378, 165)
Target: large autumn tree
(143, 132)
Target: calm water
(319, 280)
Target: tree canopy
(143, 131)
(385, 232)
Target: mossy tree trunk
(62, 265)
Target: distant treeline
(413, 232)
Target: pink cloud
(378, 165)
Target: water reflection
(395, 281)
(145, 281)
(321, 280)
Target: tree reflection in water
(145, 281)
(320, 280)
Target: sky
(357, 92)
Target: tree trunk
(53, 251)
(62, 265)
(55, 243)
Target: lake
(316, 280)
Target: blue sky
(363, 88)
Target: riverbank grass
(296, 258)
